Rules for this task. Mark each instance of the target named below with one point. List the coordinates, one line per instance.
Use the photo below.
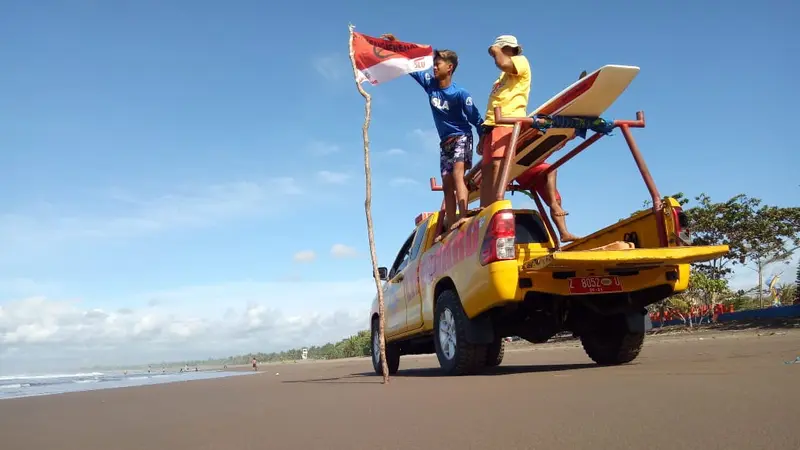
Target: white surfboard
(589, 96)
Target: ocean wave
(46, 385)
(51, 376)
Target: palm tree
(797, 288)
(368, 210)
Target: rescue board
(589, 96)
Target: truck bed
(639, 228)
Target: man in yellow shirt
(510, 92)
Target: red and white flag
(380, 60)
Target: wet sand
(727, 391)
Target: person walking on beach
(255, 365)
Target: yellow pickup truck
(499, 276)
(504, 273)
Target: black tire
(466, 358)
(392, 353)
(612, 347)
(495, 352)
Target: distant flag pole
(359, 77)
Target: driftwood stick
(368, 211)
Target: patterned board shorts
(455, 149)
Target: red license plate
(594, 285)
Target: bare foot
(558, 215)
(458, 223)
(441, 236)
(568, 237)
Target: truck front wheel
(456, 355)
(392, 352)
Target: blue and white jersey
(452, 107)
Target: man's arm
(472, 113)
(422, 76)
(508, 64)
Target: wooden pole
(368, 210)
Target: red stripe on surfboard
(570, 95)
(370, 51)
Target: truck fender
(480, 329)
(638, 321)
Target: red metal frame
(503, 186)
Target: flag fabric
(380, 60)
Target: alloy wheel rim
(447, 333)
(376, 347)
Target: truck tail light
(498, 243)
(681, 222)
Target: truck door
(394, 294)
(411, 282)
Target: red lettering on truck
(456, 249)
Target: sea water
(16, 386)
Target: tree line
(760, 237)
(349, 347)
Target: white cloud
(333, 66)
(332, 177)
(395, 152)
(39, 333)
(321, 148)
(428, 139)
(343, 251)
(403, 181)
(132, 216)
(305, 256)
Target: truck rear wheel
(456, 355)
(392, 352)
(495, 352)
(610, 347)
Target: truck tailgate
(638, 258)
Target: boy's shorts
(495, 141)
(455, 149)
(531, 180)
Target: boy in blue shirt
(453, 111)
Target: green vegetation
(758, 235)
(797, 286)
(353, 346)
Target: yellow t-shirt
(510, 92)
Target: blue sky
(168, 161)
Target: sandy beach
(706, 390)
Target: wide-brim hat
(507, 40)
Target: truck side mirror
(382, 272)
